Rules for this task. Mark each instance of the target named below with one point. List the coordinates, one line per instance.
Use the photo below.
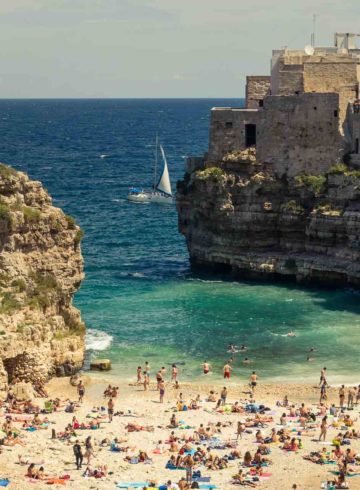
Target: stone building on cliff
(278, 192)
(300, 117)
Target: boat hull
(149, 197)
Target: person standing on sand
(111, 406)
(357, 395)
(162, 390)
(323, 376)
(78, 455)
(147, 368)
(174, 372)
(253, 381)
(227, 371)
(323, 428)
(206, 367)
(323, 395)
(146, 380)
(81, 391)
(342, 396)
(351, 395)
(223, 395)
(159, 378)
(240, 430)
(139, 374)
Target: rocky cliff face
(41, 267)
(241, 217)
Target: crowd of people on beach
(198, 450)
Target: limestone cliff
(240, 216)
(41, 267)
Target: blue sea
(140, 300)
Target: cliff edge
(241, 217)
(41, 267)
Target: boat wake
(97, 340)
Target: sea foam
(97, 340)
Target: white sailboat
(161, 192)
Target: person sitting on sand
(107, 392)
(32, 472)
(239, 479)
(247, 459)
(173, 422)
(259, 437)
(236, 408)
(211, 397)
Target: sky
(154, 48)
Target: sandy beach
(143, 408)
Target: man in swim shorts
(110, 409)
(206, 367)
(253, 381)
(227, 370)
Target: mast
(156, 158)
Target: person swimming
(291, 334)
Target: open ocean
(140, 300)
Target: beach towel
(4, 483)
(132, 485)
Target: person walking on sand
(227, 370)
(323, 428)
(253, 381)
(206, 367)
(89, 450)
(111, 406)
(162, 391)
(78, 455)
(342, 396)
(81, 391)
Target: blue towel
(207, 486)
(4, 483)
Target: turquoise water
(140, 299)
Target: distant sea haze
(140, 299)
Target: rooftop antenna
(313, 32)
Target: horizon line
(119, 98)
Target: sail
(164, 182)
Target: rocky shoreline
(41, 267)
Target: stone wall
(257, 87)
(227, 130)
(287, 76)
(323, 75)
(300, 133)
(295, 134)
